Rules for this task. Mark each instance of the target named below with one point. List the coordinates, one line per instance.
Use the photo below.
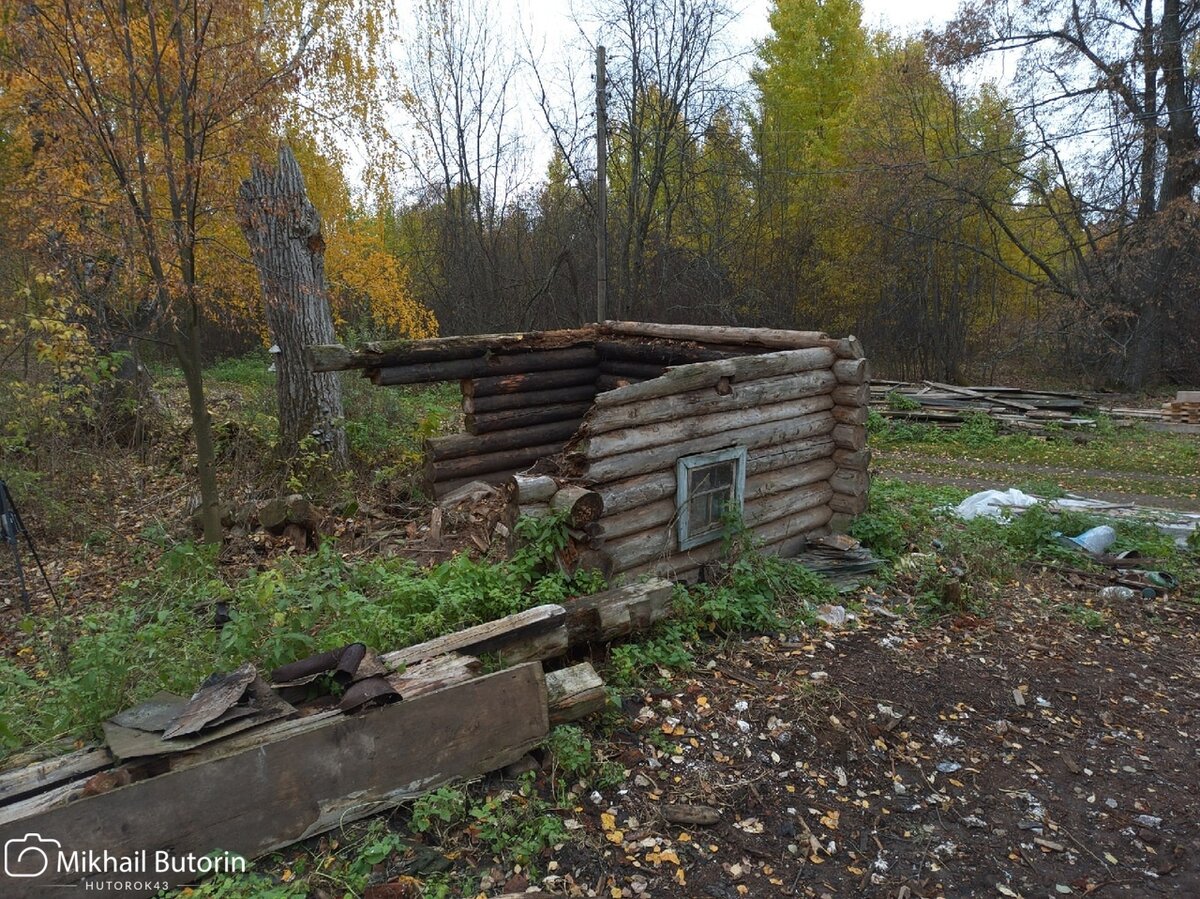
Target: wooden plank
(697, 376)
(494, 365)
(383, 353)
(719, 334)
(741, 395)
(537, 633)
(280, 792)
(574, 693)
(39, 776)
(582, 393)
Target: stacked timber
(948, 405)
(850, 480)
(1185, 408)
(536, 495)
(780, 406)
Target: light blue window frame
(685, 471)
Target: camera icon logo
(29, 856)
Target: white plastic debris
(993, 503)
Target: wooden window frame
(683, 469)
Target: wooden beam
(41, 775)
(601, 617)
(574, 693)
(494, 365)
(384, 353)
(292, 788)
(455, 446)
(583, 393)
(528, 383)
(501, 464)
(537, 633)
(658, 353)
(511, 419)
(719, 334)
(697, 376)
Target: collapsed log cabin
(646, 433)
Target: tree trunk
(283, 230)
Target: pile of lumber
(289, 779)
(949, 405)
(1185, 408)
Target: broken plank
(601, 617)
(42, 775)
(574, 693)
(278, 793)
(537, 633)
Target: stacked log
(780, 406)
(852, 397)
(536, 495)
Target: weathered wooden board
(605, 616)
(46, 773)
(537, 633)
(574, 693)
(279, 792)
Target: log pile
(947, 405)
(266, 787)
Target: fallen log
(627, 465)
(574, 693)
(556, 379)
(492, 366)
(535, 634)
(284, 790)
(741, 395)
(532, 488)
(582, 393)
(684, 378)
(512, 419)
(719, 334)
(591, 446)
(616, 613)
(384, 353)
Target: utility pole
(601, 189)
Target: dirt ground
(1017, 755)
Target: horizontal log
(276, 793)
(663, 511)
(784, 538)
(591, 446)
(583, 393)
(848, 505)
(441, 489)
(657, 353)
(742, 394)
(506, 461)
(786, 511)
(851, 371)
(574, 693)
(850, 437)
(493, 365)
(512, 419)
(852, 394)
(533, 510)
(856, 459)
(850, 481)
(455, 446)
(532, 488)
(384, 353)
(528, 383)
(850, 415)
(720, 334)
(684, 378)
(535, 634)
(627, 465)
(602, 617)
(613, 382)
(641, 370)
